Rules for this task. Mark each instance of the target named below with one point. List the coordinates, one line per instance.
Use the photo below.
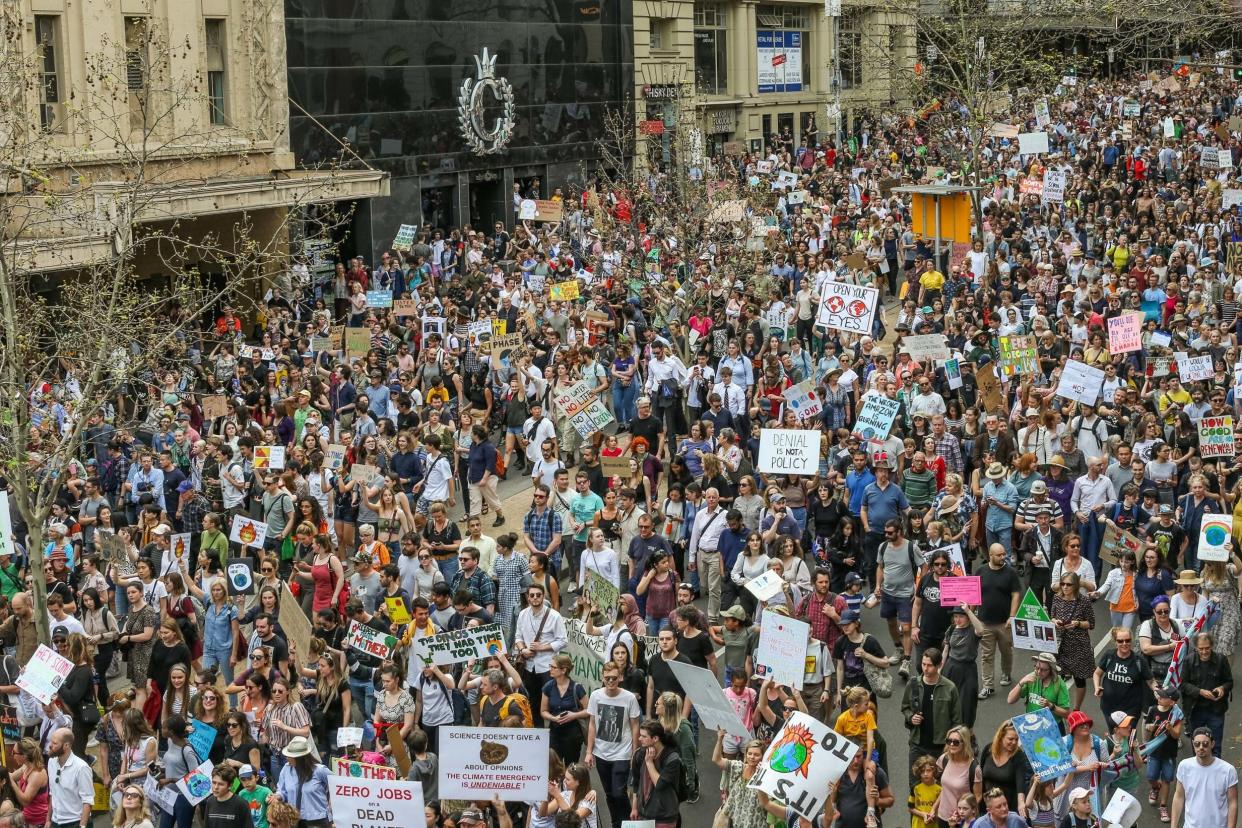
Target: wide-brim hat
(298, 746)
(1187, 577)
(996, 471)
(948, 506)
(1059, 461)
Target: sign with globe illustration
(1214, 537)
(805, 757)
(1041, 740)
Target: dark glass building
(386, 77)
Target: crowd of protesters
(690, 337)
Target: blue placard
(1041, 741)
(202, 737)
(379, 299)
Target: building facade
(734, 72)
(140, 116)
(462, 101)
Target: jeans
(182, 815)
(1213, 721)
(613, 777)
(448, 567)
(219, 657)
(624, 402)
(1091, 533)
(798, 513)
(1002, 536)
(278, 761)
(364, 694)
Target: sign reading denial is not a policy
(788, 451)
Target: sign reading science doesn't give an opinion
(482, 762)
(788, 451)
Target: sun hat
(996, 471)
(298, 746)
(1187, 577)
(1077, 719)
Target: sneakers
(904, 669)
(499, 521)
(1164, 813)
(694, 797)
(1005, 681)
(92, 742)
(1151, 798)
(986, 693)
(894, 660)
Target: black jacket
(664, 802)
(1205, 675)
(76, 693)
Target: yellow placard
(565, 291)
(397, 612)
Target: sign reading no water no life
(788, 451)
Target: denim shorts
(514, 430)
(894, 607)
(1160, 769)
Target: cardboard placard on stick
(990, 388)
(215, 405)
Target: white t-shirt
(1207, 791)
(612, 716)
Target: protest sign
(875, 418)
(1032, 143)
(336, 333)
(1216, 436)
(379, 298)
(269, 457)
(781, 654)
(248, 532)
(215, 405)
(202, 736)
(846, 307)
(1080, 382)
(785, 180)
(482, 762)
(239, 576)
(1031, 186)
(705, 692)
(565, 291)
(573, 399)
(766, 584)
(592, 418)
(433, 325)
(1004, 130)
(357, 341)
(363, 473)
(179, 545)
(1230, 198)
(398, 612)
(502, 347)
(1042, 742)
(44, 673)
(588, 653)
(728, 211)
(618, 466)
(404, 240)
(1125, 333)
(1114, 541)
(347, 737)
(404, 307)
(334, 457)
(1054, 185)
(296, 625)
(989, 388)
(804, 759)
(1031, 628)
(375, 803)
(460, 645)
(1215, 538)
(196, 785)
(962, 589)
(598, 590)
(788, 451)
(1018, 355)
(953, 373)
(538, 209)
(1193, 369)
(1122, 811)
(361, 770)
(366, 639)
(926, 347)
(320, 344)
(163, 797)
(803, 400)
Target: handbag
(286, 549)
(721, 819)
(880, 679)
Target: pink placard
(962, 589)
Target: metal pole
(938, 262)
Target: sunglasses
(1125, 641)
(953, 742)
(1162, 612)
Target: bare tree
(103, 274)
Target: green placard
(1031, 609)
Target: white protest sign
(800, 764)
(788, 451)
(269, 457)
(482, 762)
(589, 652)
(44, 673)
(1042, 116)
(846, 307)
(1122, 811)
(705, 692)
(926, 347)
(766, 585)
(1080, 382)
(1033, 143)
(6, 526)
(803, 400)
(248, 532)
(1168, 128)
(376, 803)
(460, 645)
(1195, 368)
(196, 785)
(782, 649)
(875, 418)
(1054, 185)
(1230, 198)
(785, 180)
(347, 736)
(366, 639)
(1215, 537)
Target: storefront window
(711, 59)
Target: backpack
(461, 707)
(914, 566)
(507, 709)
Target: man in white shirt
(704, 555)
(535, 430)
(1207, 788)
(72, 789)
(666, 384)
(1093, 496)
(612, 733)
(732, 395)
(540, 634)
(434, 487)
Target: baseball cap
(184, 486)
(245, 772)
(853, 578)
(1079, 793)
(470, 815)
(1039, 487)
(61, 632)
(851, 617)
(1166, 509)
(735, 612)
(1120, 719)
